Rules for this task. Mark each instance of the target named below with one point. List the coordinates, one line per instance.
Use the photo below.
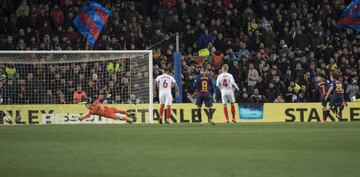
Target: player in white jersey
(165, 82)
(226, 83)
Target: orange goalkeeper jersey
(99, 110)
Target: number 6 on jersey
(165, 97)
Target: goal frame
(148, 52)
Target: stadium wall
(182, 113)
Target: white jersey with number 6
(164, 83)
(226, 83)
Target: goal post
(51, 77)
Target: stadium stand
(274, 48)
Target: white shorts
(227, 97)
(165, 98)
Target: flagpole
(86, 44)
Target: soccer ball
(6, 119)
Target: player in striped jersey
(323, 86)
(205, 89)
(336, 94)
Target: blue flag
(91, 21)
(350, 18)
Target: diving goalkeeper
(105, 111)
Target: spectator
(279, 85)
(61, 98)
(352, 90)
(257, 97)
(219, 10)
(124, 90)
(92, 89)
(219, 42)
(279, 99)
(261, 85)
(218, 60)
(22, 20)
(234, 69)
(56, 82)
(115, 44)
(23, 9)
(6, 27)
(69, 93)
(301, 98)
(32, 92)
(21, 45)
(205, 38)
(78, 95)
(299, 71)
(290, 96)
(252, 78)
(170, 22)
(41, 18)
(270, 38)
(244, 98)
(49, 98)
(132, 12)
(47, 42)
(271, 92)
(133, 99)
(45, 29)
(117, 99)
(9, 45)
(33, 45)
(243, 51)
(72, 36)
(10, 71)
(33, 16)
(22, 97)
(256, 39)
(10, 92)
(300, 40)
(57, 16)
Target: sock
(226, 113)
(208, 113)
(333, 109)
(161, 111)
(168, 112)
(199, 113)
(342, 107)
(233, 111)
(340, 113)
(325, 114)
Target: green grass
(187, 150)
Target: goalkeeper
(105, 111)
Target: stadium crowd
(275, 48)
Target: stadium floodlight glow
(131, 71)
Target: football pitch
(181, 150)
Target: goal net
(68, 77)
